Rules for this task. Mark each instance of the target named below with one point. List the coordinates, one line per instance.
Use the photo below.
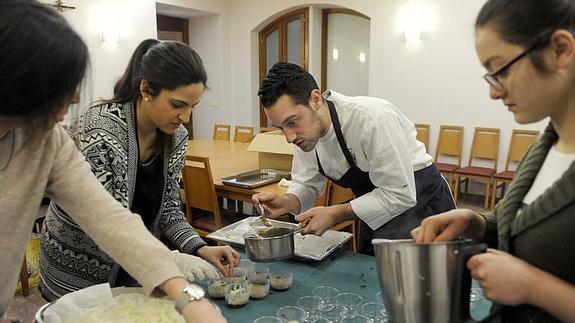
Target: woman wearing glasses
(528, 49)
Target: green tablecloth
(344, 270)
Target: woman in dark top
(136, 146)
(528, 49)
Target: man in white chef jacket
(361, 143)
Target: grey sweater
(542, 232)
(51, 165)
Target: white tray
(307, 246)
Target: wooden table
(229, 158)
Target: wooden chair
(520, 142)
(222, 132)
(423, 134)
(485, 146)
(243, 134)
(267, 129)
(339, 195)
(24, 278)
(201, 194)
(450, 144)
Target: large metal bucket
(425, 283)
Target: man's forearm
(342, 212)
(293, 204)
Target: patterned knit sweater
(540, 233)
(106, 135)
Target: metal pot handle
(462, 284)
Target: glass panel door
(294, 41)
(272, 48)
(346, 53)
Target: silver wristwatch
(191, 292)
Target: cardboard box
(273, 150)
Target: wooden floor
(25, 308)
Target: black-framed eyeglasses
(492, 79)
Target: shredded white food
(130, 308)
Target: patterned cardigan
(106, 135)
(540, 233)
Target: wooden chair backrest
(423, 134)
(520, 142)
(199, 186)
(485, 145)
(222, 132)
(243, 133)
(267, 129)
(339, 195)
(450, 142)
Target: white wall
(135, 21)
(438, 82)
(206, 38)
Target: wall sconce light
(413, 33)
(335, 54)
(413, 19)
(362, 57)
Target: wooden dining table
(228, 158)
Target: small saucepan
(276, 243)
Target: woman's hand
(225, 258)
(202, 311)
(505, 279)
(450, 225)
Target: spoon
(262, 213)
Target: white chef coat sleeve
(307, 183)
(390, 170)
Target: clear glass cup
(291, 314)
(237, 294)
(217, 287)
(247, 265)
(355, 319)
(334, 314)
(259, 272)
(281, 279)
(374, 311)
(351, 302)
(239, 274)
(327, 296)
(380, 299)
(267, 319)
(259, 287)
(311, 306)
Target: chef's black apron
(433, 195)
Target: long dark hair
(525, 23)
(42, 62)
(164, 65)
